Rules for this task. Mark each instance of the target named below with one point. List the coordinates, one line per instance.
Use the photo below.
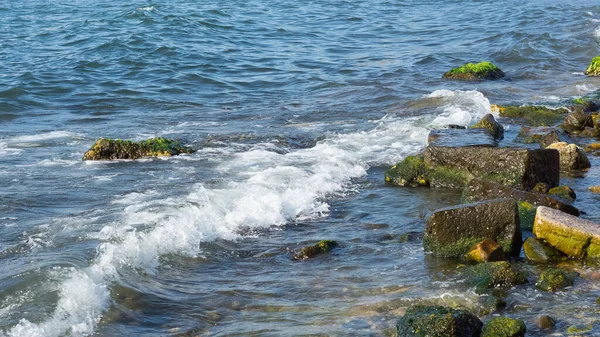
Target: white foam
(146, 9)
(585, 88)
(461, 107)
(7, 151)
(597, 35)
(45, 136)
(263, 189)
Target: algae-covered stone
(526, 214)
(452, 231)
(594, 68)
(554, 279)
(491, 304)
(516, 167)
(488, 122)
(492, 275)
(537, 251)
(541, 188)
(112, 149)
(504, 327)
(475, 71)
(323, 247)
(533, 114)
(485, 251)
(542, 135)
(580, 329)
(409, 172)
(437, 321)
(572, 236)
(479, 190)
(545, 322)
(572, 158)
(564, 192)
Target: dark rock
(534, 115)
(491, 275)
(545, 322)
(472, 71)
(520, 168)
(452, 231)
(323, 247)
(461, 138)
(537, 251)
(112, 149)
(486, 251)
(437, 321)
(479, 190)
(488, 122)
(564, 192)
(504, 327)
(554, 279)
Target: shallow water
(296, 109)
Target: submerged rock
(437, 321)
(542, 135)
(533, 114)
(452, 231)
(572, 236)
(471, 71)
(485, 251)
(112, 149)
(323, 247)
(545, 322)
(572, 158)
(492, 275)
(504, 327)
(554, 279)
(491, 304)
(488, 122)
(594, 68)
(537, 251)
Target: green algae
(554, 279)
(323, 247)
(504, 327)
(564, 192)
(533, 114)
(472, 71)
(438, 321)
(526, 214)
(594, 67)
(489, 275)
(112, 149)
(409, 172)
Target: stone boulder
(537, 251)
(492, 275)
(323, 247)
(542, 135)
(504, 327)
(577, 121)
(572, 236)
(533, 114)
(488, 122)
(438, 321)
(594, 68)
(553, 279)
(112, 149)
(485, 251)
(409, 172)
(564, 192)
(452, 231)
(472, 71)
(572, 158)
(516, 167)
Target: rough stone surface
(472, 71)
(409, 172)
(112, 149)
(542, 135)
(572, 236)
(437, 321)
(537, 251)
(554, 279)
(486, 251)
(576, 121)
(564, 192)
(520, 168)
(491, 275)
(533, 115)
(488, 122)
(452, 231)
(461, 137)
(479, 190)
(504, 327)
(572, 158)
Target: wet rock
(540, 188)
(542, 135)
(590, 132)
(485, 251)
(595, 189)
(592, 147)
(526, 214)
(594, 68)
(564, 192)
(572, 158)
(537, 251)
(462, 138)
(491, 304)
(437, 321)
(545, 322)
(488, 122)
(580, 329)
(479, 190)
(576, 121)
(490, 275)
(323, 247)
(409, 172)
(554, 279)
(504, 327)
(572, 236)
(520, 168)
(533, 114)
(472, 71)
(452, 231)
(112, 149)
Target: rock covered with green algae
(452, 231)
(475, 71)
(594, 68)
(535, 115)
(564, 192)
(537, 251)
(489, 122)
(553, 279)
(571, 235)
(490, 275)
(504, 327)
(409, 172)
(323, 247)
(112, 149)
(438, 321)
(542, 135)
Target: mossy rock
(323, 247)
(537, 251)
(491, 304)
(554, 279)
(112, 149)
(490, 275)
(409, 172)
(475, 71)
(438, 321)
(504, 327)
(488, 122)
(534, 114)
(594, 68)
(580, 329)
(564, 192)
(526, 214)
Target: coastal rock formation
(409, 172)
(491, 275)
(572, 158)
(533, 114)
(485, 251)
(572, 236)
(438, 321)
(488, 122)
(553, 279)
(112, 149)
(594, 68)
(542, 135)
(537, 251)
(475, 71)
(452, 231)
(577, 121)
(504, 327)
(323, 247)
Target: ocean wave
(45, 136)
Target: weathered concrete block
(452, 231)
